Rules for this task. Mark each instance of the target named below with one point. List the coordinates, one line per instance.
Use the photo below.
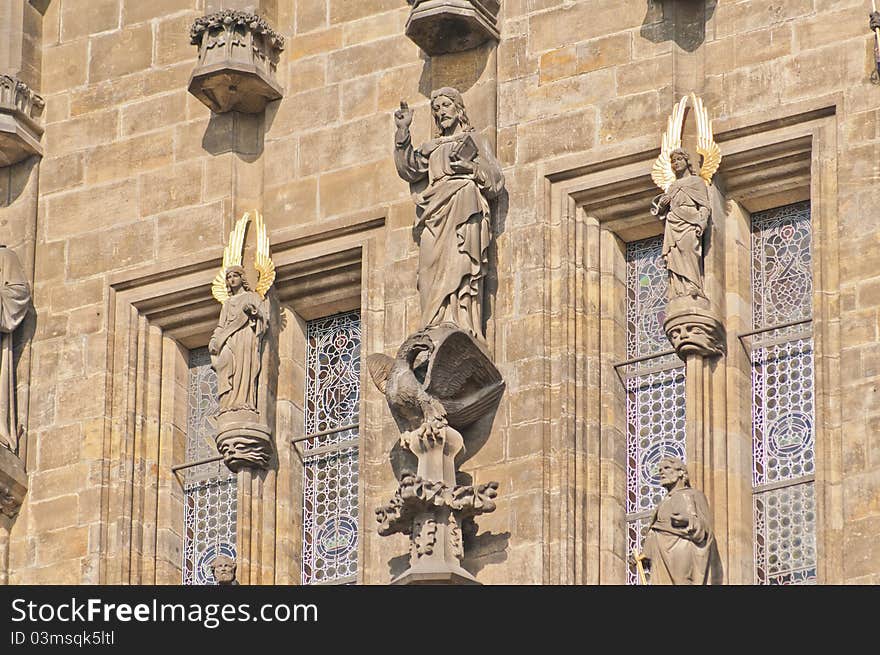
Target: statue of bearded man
(454, 220)
(680, 546)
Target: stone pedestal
(435, 515)
(20, 133)
(441, 382)
(238, 57)
(442, 26)
(244, 440)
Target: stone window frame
(597, 201)
(156, 314)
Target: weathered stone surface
(115, 54)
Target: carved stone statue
(685, 206)
(875, 20)
(236, 349)
(686, 212)
(440, 383)
(15, 298)
(680, 546)
(223, 568)
(453, 223)
(236, 344)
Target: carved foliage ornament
(215, 28)
(20, 131)
(15, 94)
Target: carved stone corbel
(20, 131)
(238, 57)
(442, 26)
(693, 329)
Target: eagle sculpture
(441, 376)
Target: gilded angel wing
(706, 145)
(661, 172)
(263, 262)
(231, 257)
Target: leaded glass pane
(210, 490)
(655, 429)
(655, 400)
(782, 281)
(785, 549)
(782, 383)
(646, 284)
(330, 525)
(330, 461)
(333, 369)
(636, 530)
(783, 403)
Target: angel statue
(684, 204)
(454, 220)
(236, 345)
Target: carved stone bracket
(436, 516)
(238, 57)
(442, 381)
(20, 132)
(244, 440)
(693, 328)
(13, 483)
(443, 26)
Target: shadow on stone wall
(14, 180)
(681, 21)
(242, 134)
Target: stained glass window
(783, 416)
(330, 457)
(655, 400)
(210, 490)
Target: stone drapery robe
(682, 555)
(15, 299)
(686, 221)
(238, 341)
(455, 227)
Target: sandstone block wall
(138, 174)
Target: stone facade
(120, 226)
